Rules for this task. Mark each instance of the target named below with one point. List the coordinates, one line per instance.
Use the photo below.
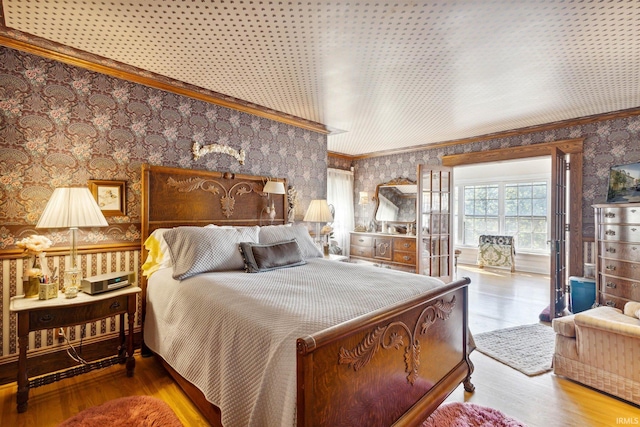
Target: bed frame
(393, 366)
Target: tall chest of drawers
(618, 253)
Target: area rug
(527, 348)
(138, 411)
(469, 415)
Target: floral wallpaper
(606, 143)
(63, 125)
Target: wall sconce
(272, 187)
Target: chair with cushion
(599, 348)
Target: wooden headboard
(172, 197)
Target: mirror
(396, 204)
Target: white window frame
(501, 182)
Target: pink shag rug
(469, 415)
(138, 411)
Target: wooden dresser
(387, 250)
(618, 253)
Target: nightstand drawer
(54, 317)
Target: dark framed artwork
(110, 195)
(624, 184)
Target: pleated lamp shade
(72, 207)
(318, 212)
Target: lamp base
(72, 279)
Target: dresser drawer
(403, 244)
(620, 268)
(620, 215)
(621, 251)
(359, 240)
(66, 316)
(629, 289)
(361, 251)
(612, 301)
(408, 258)
(620, 233)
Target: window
(525, 211)
(512, 209)
(481, 212)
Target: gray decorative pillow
(196, 250)
(280, 233)
(260, 257)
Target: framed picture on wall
(110, 195)
(624, 184)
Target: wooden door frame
(573, 147)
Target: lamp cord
(71, 350)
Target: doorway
(562, 230)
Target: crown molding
(45, 48)
(503, 134)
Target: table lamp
(363, 201)
(272, 187)
(72, 207)
(318, 212)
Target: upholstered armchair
(599, 348)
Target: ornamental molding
(201, 150)
(391, 336)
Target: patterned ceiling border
(38, 46)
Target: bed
(316, 343)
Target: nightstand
(34, 314)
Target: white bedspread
(233, 334)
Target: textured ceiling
(390, 75)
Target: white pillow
(158, 253)
(280, 233)
(196, 250)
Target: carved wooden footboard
(394, 365)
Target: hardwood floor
(501, 299)
(498, 299)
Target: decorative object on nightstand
(318, 212)
(72, 207)
(364, 200)
(36, 272)
(272, 187)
